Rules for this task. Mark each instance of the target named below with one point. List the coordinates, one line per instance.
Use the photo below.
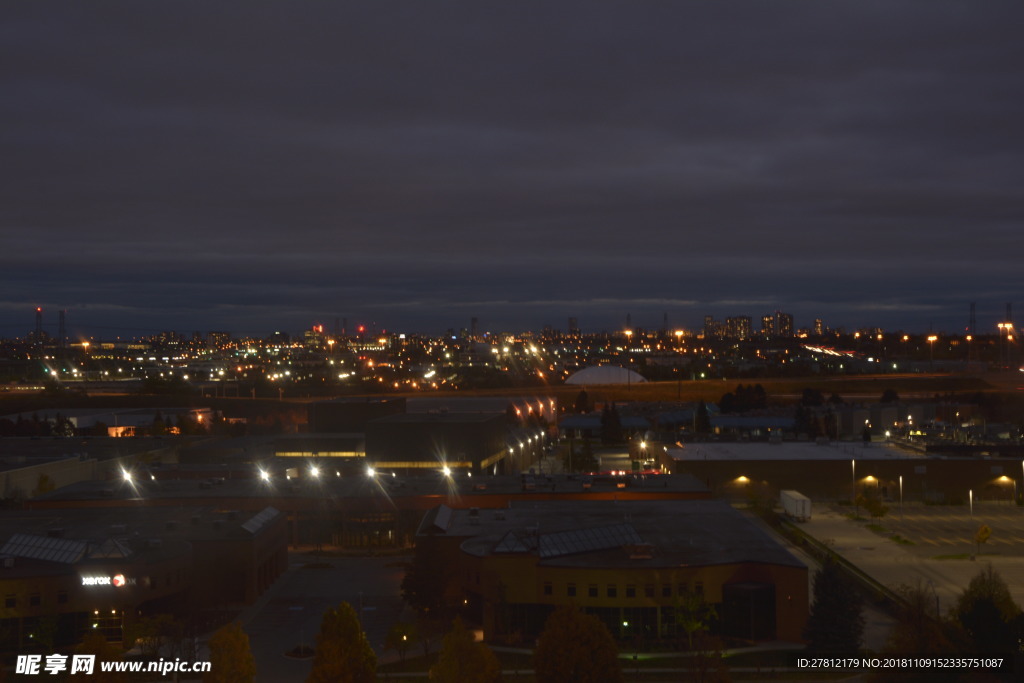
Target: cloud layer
(226, 166)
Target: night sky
(252, 167)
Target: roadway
(289, 614)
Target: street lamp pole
(853, 485)
(901, 497)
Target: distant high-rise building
(777, 324)
(714, 329)
(783, 324)
(738, 327)
(217, 340)
(819, 327)
(574, 326)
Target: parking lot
(938, 530)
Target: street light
(853, 485)
(931, 350)
(901, 497)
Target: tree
(707, 664)
(576, 647)
(889, 396)
(427, 590)
(94, 643)
(464, 661)
(343, 654)
(693, 615)
(873, 504)
(805, 421)
(611, 425)
(918, 629)
(583, 460)
(989, 614)
(836, 624)
(401, 637)
(231, 659)
(582, 404)
(812, 397)
(701, 419)
(151, 633)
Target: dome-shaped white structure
(605, 374)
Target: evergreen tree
(615, 426)
(836, 624)
(343, 654)
(889, 396)
(989, 614)
(701, 419)
(582, 404)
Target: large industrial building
(630, 563)
(66, 571)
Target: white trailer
(796, 505)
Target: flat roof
(688, 533)
(447, 418)
(789, 450)
(331, 485)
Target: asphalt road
(290, 614)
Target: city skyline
(173, 167)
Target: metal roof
(34, 547)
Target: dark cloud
(258, 166)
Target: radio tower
(972, 324)
(39, 329)
(60, 334)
